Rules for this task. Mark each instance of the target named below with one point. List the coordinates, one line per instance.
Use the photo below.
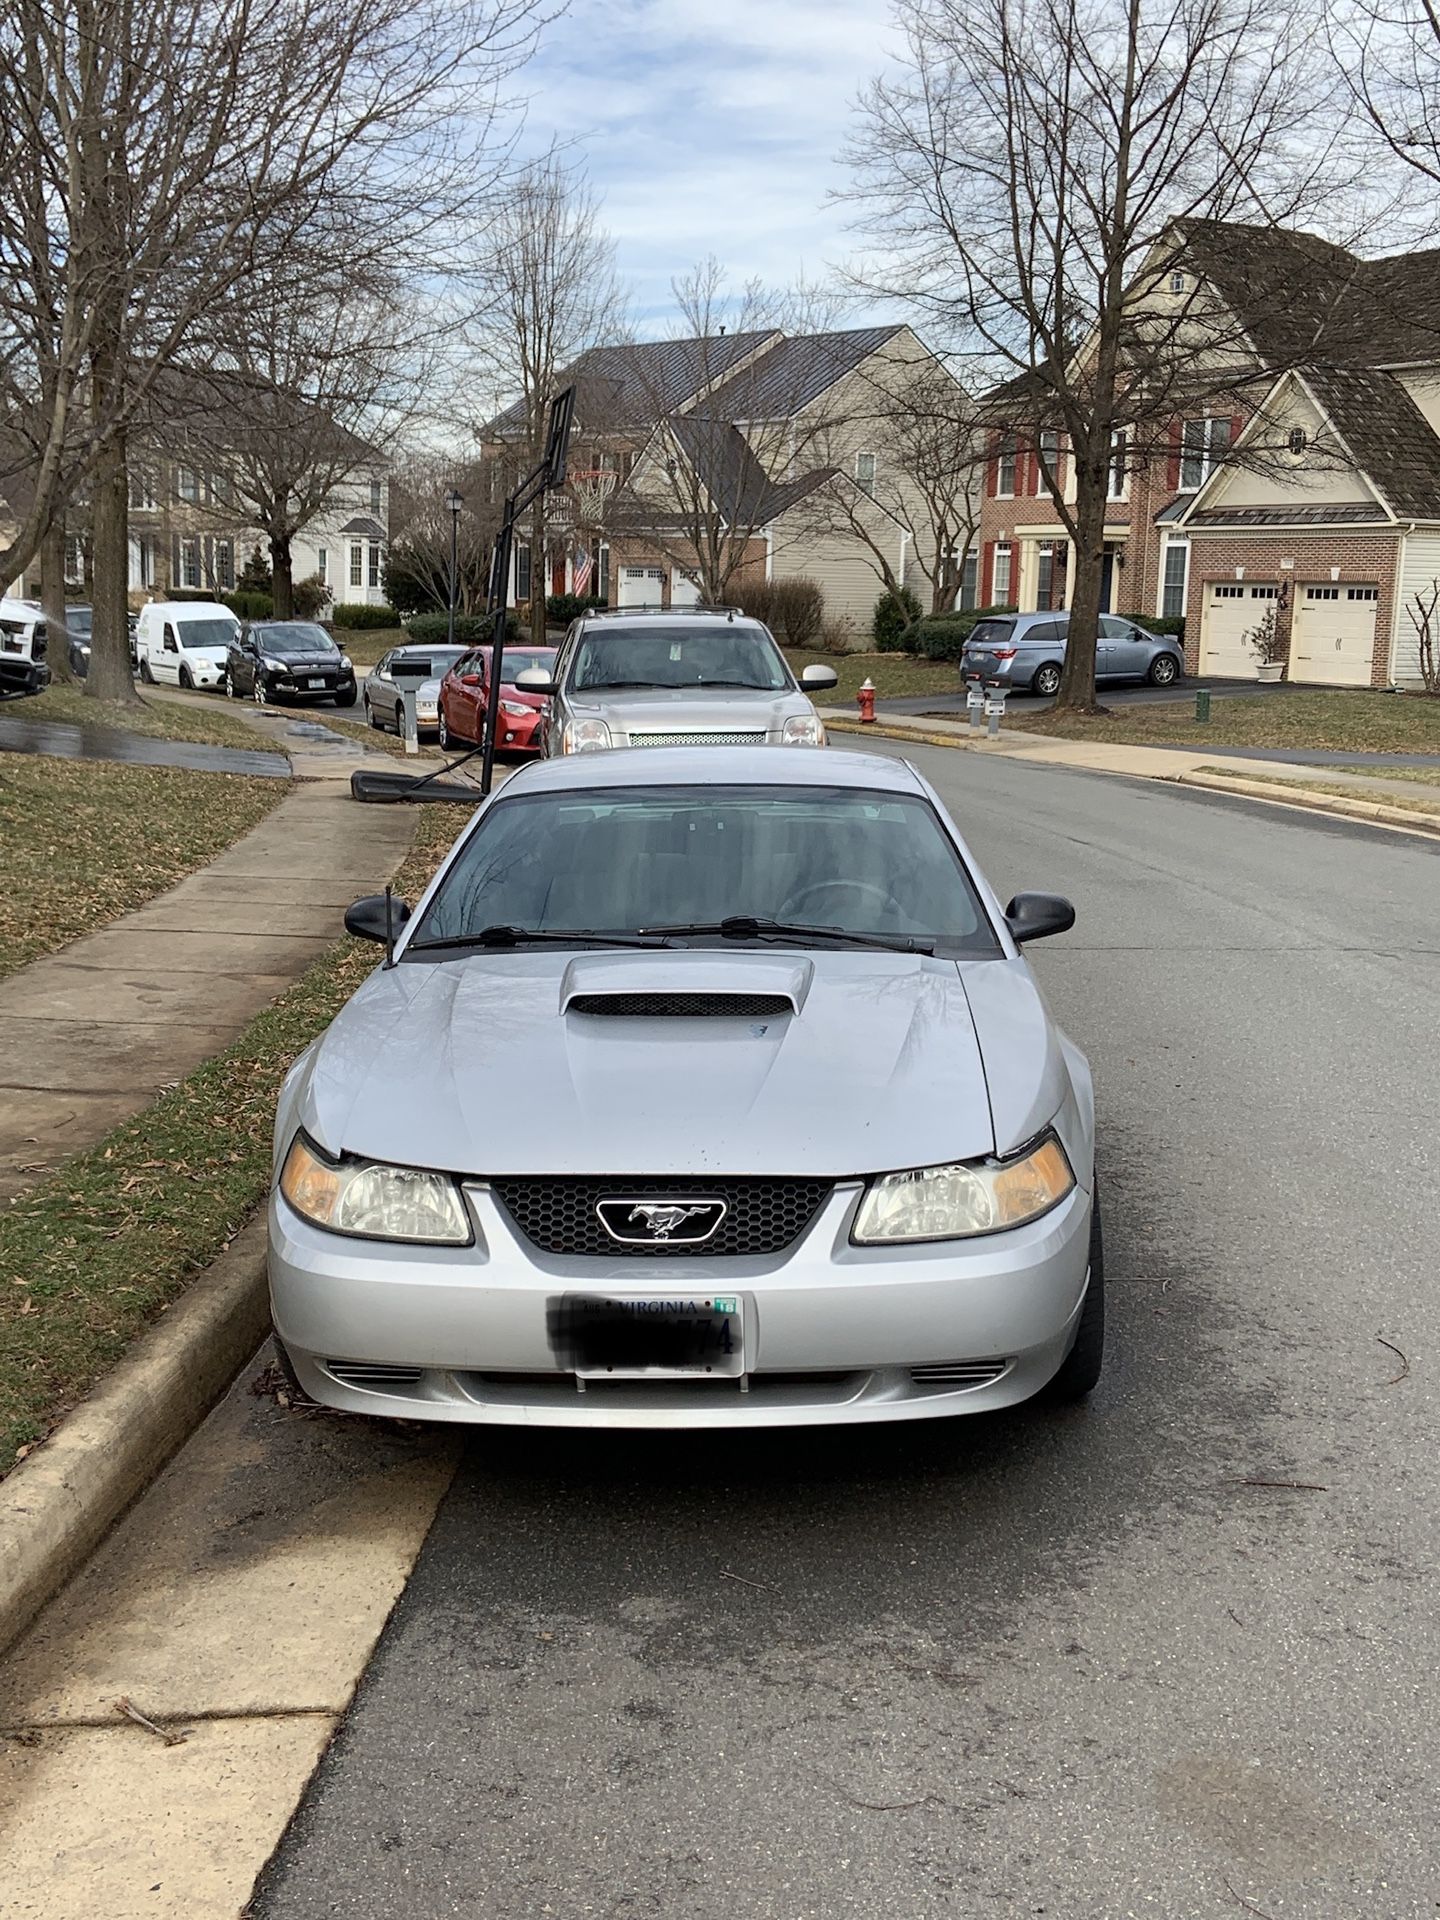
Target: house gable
(1322, 473)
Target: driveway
(1173, 1654)
(1123, 694)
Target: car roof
(717, 766)
(617, 620)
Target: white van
(23, 667)
(184, 642)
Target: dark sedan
(288, 660)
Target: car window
(382, 666)
(1044, 633)
(295, 639)
(723, 653)
(1112, 629)
(526, 659)
(207, 633)
(991, 633)
(621, 859)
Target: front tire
(257, 691)
(1163, 671)
(1080, 1370)
(1046, 681)
(187, 680)
(372, 716)
(345, 699)
(145, 674)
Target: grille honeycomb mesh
(761, 1216)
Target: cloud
(710, 128)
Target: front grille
(374, 1377)
(697, 739)
(761, 1216)
(951, 1376)
(684, 1006)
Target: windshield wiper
(534, 936)
(744, 926)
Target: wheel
(145, 674)
(444, 735)
(1163, 670)
(232, 692)
(372, 716)
(346, 699)
(1080, 1369)
(257, 691)
(1047, 681)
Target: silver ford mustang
(705, 1087)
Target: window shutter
(1029, 477)
(1172, 470)
(987, 572)
(1236, 424)
(992, 467)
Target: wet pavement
(63, 742)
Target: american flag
(584, 565)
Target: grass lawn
(366, 645)
(1334, 720)
(201, 719)
(87, 840)
(92, 1254)
(893, 674)
(1410, 802)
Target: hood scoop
(686, 986)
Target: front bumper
(833, 1332)
(23, 676)
(518, 735)
(297, 687)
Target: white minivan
(185, 642)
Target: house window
(187, 483)
(1297, 440)
(1176, 579)
(189, 563)
(322, 565)
(145, 568)
(865, 472)
(1229, 593)
(1203, 445)
(1049, 457)
(1044, 575)
(1178, 282)
(219, 489)
(1115, 489)
(142, 491)
(1005, 468)
(970, 580)
(1000, 586)
(74, 559)
(357, 564)
(374, 496)
(225, 564)
(372, 576)
(1362, 593)
(1322, 593)
(522, 573)
(602, 586)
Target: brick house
(1312, 489)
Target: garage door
(683, 592)
(641, 587)
(1333, 642)
(1231, 610)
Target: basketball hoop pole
(549, 475)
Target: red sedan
(465, 694)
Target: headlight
(515, 707)
(804, 730)
(967, 1198)
(371, 1199)
(584, 736)
(345, 665)
(274, 666)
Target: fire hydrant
(866, 697)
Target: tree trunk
(52, 599)
(282, 583)
(109, 676)
(1077, 679)
(539, 572)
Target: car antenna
(389, 924)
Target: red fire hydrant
(866, 697)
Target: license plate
(649, 1336)
(314, 683)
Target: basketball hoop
(592, 488)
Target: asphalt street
(1171, 1654)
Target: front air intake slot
(684, 1006)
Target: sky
(710, 127)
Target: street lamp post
(454, 501)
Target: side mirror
(819, 677)
(536, 680)
(366, 918)
(470, 680)
(1035, 916)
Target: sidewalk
(95, 1031)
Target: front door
(166, 666)
(1122, 654)
(1107, 580)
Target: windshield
(293, 639)
(521, 660)
(207, 633)
(77, 622)
(991, 633)
(441, 659)
(617, 860)
(725, 653)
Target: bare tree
(419, 562)
(1035, 162)
(553, 293)
(153, 158)
(1387, 56)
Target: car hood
(690, 709)
(482, 1065)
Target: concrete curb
(1374, 811)
(58, 1504)
(879, 730)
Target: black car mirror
(366, 918)
(1035, 916)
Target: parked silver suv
(1027, 651)
(698, 676)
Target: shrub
(249, 606)
(255, 575)
(360, 619)
(893, 614)
(404, 590)
(1162, 623)
(942, 636)
(471, 629)
(794, 610)
(562, 608)
(311, 598)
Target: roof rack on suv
(654, 613)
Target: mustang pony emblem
(660, 1223)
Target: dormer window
(1178, 282)
(1298, 440)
